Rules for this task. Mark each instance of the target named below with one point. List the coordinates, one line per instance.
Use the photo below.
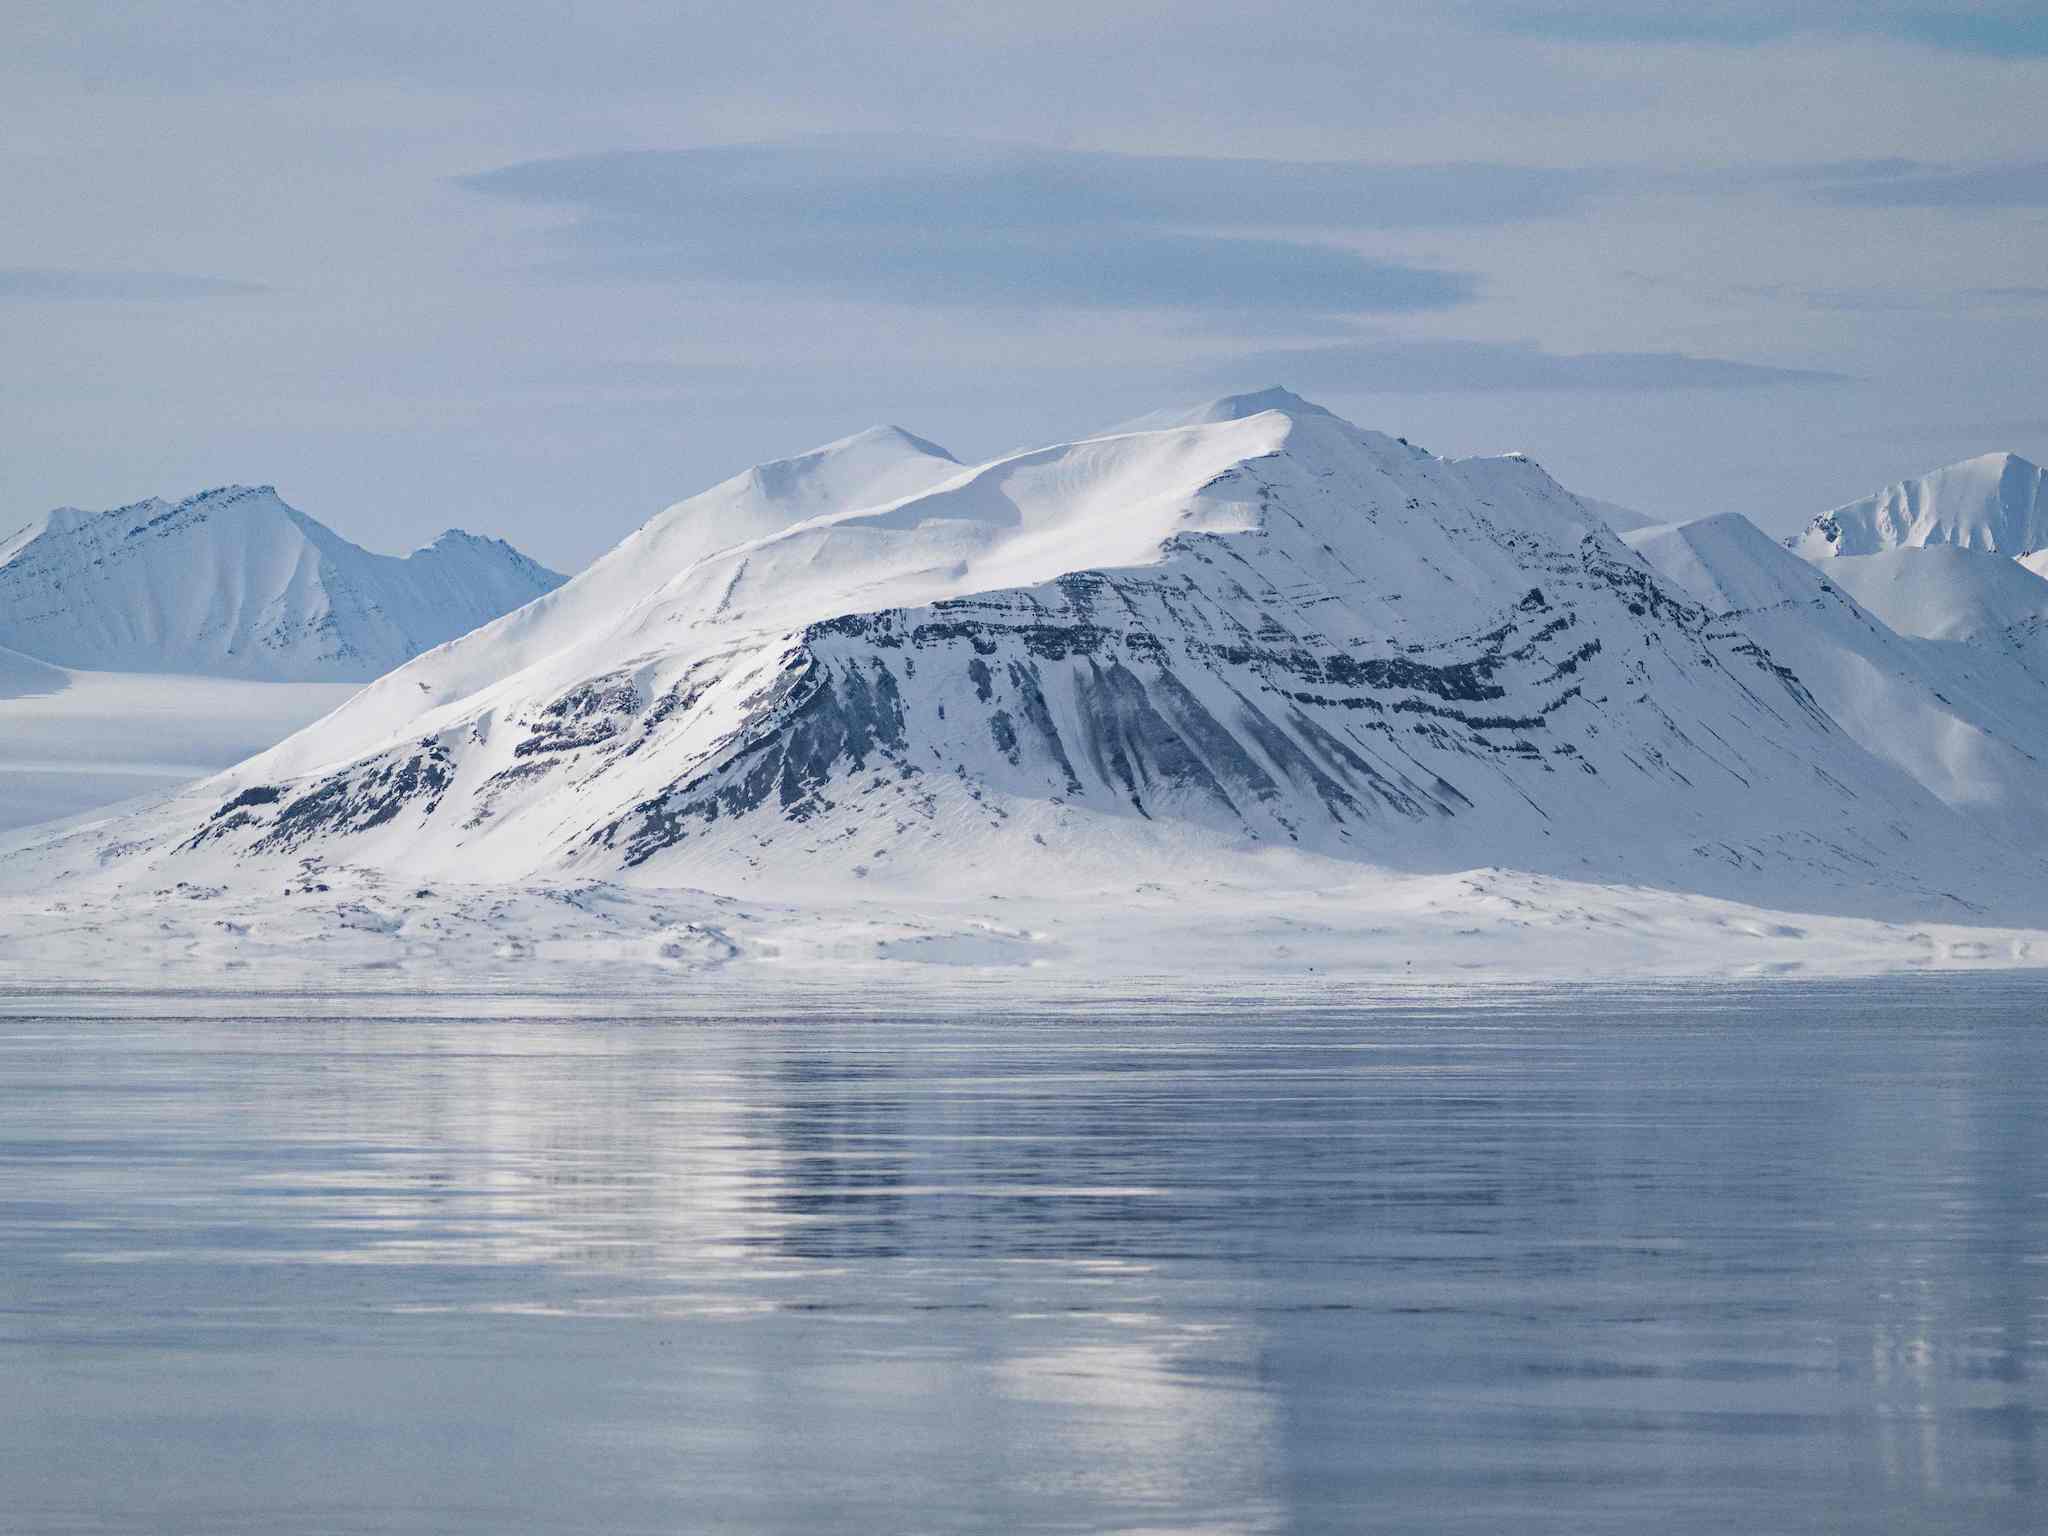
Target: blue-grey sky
(540, 267)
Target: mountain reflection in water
(1774, 1259)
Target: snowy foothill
(1242, 691)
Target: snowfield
(1243, 694)
(72, 741)
(1281, 922)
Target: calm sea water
(1760, 1261)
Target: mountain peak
(1995, 501)
(889, 434)
(1274, 398)
(1230, 408)
(233, 581)
(218, 495)
(2000, 459)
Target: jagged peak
(462, 538)
(220, 495)
(69, 519)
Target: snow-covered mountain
(1153, 671)
(1944, 591)
(1255, 626)
(1968, 725)
(1990, 609)
(1958, 556)
(235, 583)
(1993, 502)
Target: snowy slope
(1943, 592)
(1968, 726)
(233, 582)
(1992, 502)
(1621, 519)
(24, 677)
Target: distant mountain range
(234, 583)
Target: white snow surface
(1621, 519)
(1968, 725)
(234, 583)
(1241, 691)
(1993, 502)
(75, 741)
(1944, 591)
(24, 677)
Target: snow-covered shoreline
(339, 926)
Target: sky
(539, 268)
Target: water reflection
(1579, 1263)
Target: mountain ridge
(1995, 501)
(1037, 694)
(235, 582)
(1264, 627)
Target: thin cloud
(65, 283)
(2022, 184)
(961, 223)
(1459, 367)
(2013, 29)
